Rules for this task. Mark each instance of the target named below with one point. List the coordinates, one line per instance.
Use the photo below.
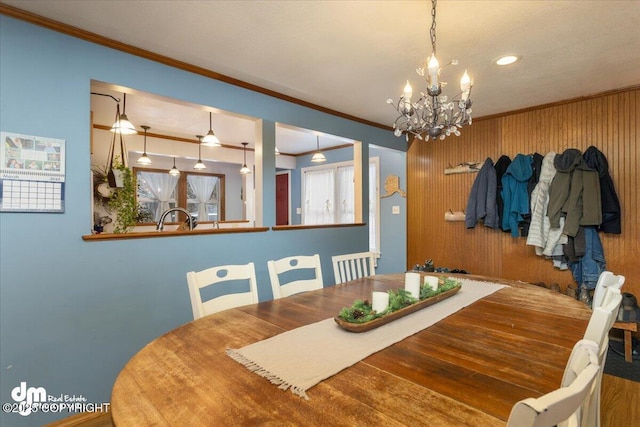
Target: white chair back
(215, 276)
(600, 323)
(289, 264)
(579, 359)
(603, 318)
(606, 280)
(565, 406)
(353, 266)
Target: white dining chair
(566, 406)
(606, 280)
(353, 266)
(216, 276)
(302, 273)
(600, 323)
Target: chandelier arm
(397, 105)
(435, 107)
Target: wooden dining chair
(600, 323)
(353, 266)
(295, 274)
(606, 280)
(566, 406)
(213, 280)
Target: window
(203, 195)
(328, 196)
(200, 194)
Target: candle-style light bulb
(408, 92)
(465, 85)
(433, 67)
(406, 99)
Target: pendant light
(318, 157)
(122, 124)
(174, 171)
(199, 165)
(144, 159)
(210, 139)
(245, 170)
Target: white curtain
(203, 187)
(319, 196)
(346, 196)
(162, 185)
(329, 197)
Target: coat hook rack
(452, 216)
(465, 167)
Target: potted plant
(123, 201)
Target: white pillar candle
(380, 301)
(432, 281)
(412, 284)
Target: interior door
(282, 199)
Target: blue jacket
(515, 194)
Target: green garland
(362, 312)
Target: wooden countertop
(466, 370)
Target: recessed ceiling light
(506, 60)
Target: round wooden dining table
(468, 369)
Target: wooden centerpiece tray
(390, 317)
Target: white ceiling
(351, 56)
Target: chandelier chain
(432, 31)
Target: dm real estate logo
(28, 398)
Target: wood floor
(620, 407)
(620, 400)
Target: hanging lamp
(318, 157)
(174, 171)
(434, 115)
(123, 125)
(210, 139)
(245, 170)
(199, 165)
(144, 159)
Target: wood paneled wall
(611, 122)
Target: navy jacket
(482, 199)
(608, 196)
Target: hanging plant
(123, 201)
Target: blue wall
(393, 236)
(72, 313)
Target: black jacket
(501, 167)
(610, 203)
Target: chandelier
(434, 115)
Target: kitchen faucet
(190, 219)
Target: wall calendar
(32, 173)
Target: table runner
(301, 358)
